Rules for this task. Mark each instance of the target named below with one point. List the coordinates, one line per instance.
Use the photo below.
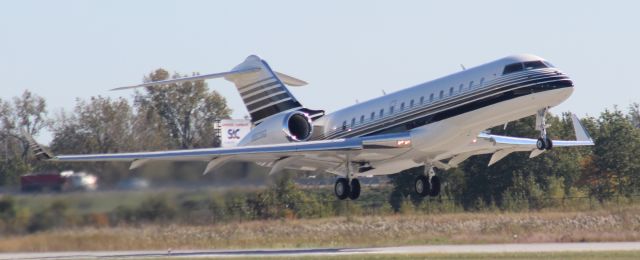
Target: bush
(56, 215)
(155, 209)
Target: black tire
(548, 143)
(421, 186)
(355, 189)
(541, 144)
(341, 188)
(435, 186)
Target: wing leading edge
(326, 152)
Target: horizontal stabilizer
(262, 90)
(194, 78)
(286, 79)
(289, 80)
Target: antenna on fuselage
(384, 92)
(462, 66)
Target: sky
(346, 50)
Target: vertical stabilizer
(262, 91)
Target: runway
(426, 249)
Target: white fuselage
(445, 115)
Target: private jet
(436, 124)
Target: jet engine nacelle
(285, 127)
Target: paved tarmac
(426, 249)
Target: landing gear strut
(427, 184)
(544, 142)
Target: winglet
(38, 151)
(580, 131)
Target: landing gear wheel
(541, 144)
(435, 186)
(355, 189)
(421, 186)
(341, 188)
(548, 143)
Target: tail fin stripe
(269, 101)
(254, 99)
(280, 103)
(266, 91)
(242, 88)
(258, 88)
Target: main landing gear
(343, 189)
(544, 142)
(427, 184)
(347, 187)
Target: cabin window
(481, 82)
(511, 68)
(353, 122)
(411, 103)
(421, 100)
(470, 84)
(344, 125)
(532, 65)
(441, 94)
(373, 115)
(362, 119)
(461, 87)
(548, 64)
(381, 112)
(431, 97)
(391, 110)
(401, 106)
(451, 91)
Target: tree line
(176, 116)
(182, 116)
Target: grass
(356, 231)
(613, 255)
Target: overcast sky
(346, 50)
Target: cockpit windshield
(527, 65)
(511, 68)
(532, 65)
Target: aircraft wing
(321, 154)
(501, 146)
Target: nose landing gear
(544, 142)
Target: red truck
(57, 181)
(47, 181)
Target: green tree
(99, 125)
(186, 110)
(26, 113)
(613, 166)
